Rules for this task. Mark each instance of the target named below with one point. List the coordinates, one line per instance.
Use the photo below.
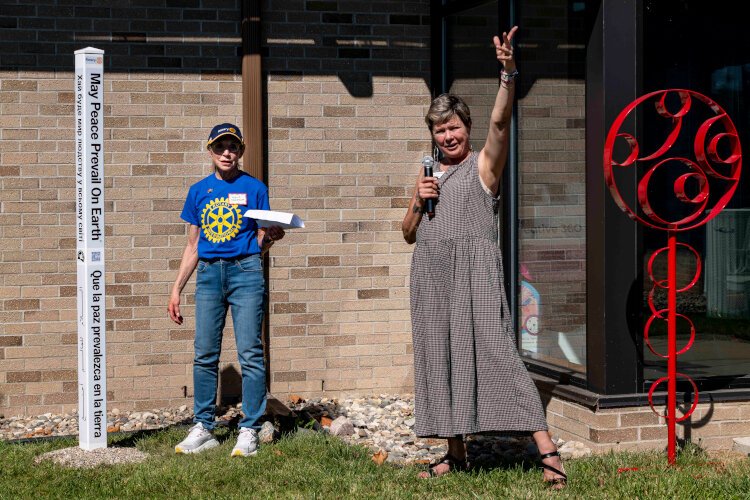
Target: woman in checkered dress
(468, 375)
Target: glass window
(718, 67)
(551, 181)
(551, 160)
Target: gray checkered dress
(468, 375)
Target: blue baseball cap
(224, 129)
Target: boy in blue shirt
(226, 249)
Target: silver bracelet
(508, 77)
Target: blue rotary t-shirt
(217, 206)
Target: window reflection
(719, 305)
(551, 160)
(551, 167)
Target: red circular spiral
(718, 128)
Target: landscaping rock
(267, 433)
(574, 449)
(742, 445)
(342, 427)
(383, 423)
(87, 459)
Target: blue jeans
(221, 284)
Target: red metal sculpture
(707, 171)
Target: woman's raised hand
(504, 50)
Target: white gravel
(382, 423)
(86, 459)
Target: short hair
(444, 107)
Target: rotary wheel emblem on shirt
(220, 220)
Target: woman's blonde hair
(444, 107)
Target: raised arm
(494, 155)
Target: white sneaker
(198, 439)
(247, 443)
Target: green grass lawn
(316, 466)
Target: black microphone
(427, 163)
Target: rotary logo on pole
(89, 189)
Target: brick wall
(347, 90)
(171, 72)
(347, 94)
(712, 426)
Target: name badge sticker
(238, 198)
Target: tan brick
(11, 340)
(23, 85)
(310, 272)
(285, 308)
(130, 325)
(339, 385)
(293, 331)
(715, 443)
(280, 122)
(295, 376)
(8, 170)
(155, 359)
(721, 413)
(60, 398)
(373, 271)
(651, 433)
(340, 340)
(735, 428)
(21, 304)
(308, 364)
(324, 261)
(613, 435)
(373, 293)
(22, 401)
(341, 363)
(131, 277)
(306, 319)
(59, 375)
(639, 418)
(24, 376)
(132, 371)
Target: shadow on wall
(186, 38)
(690, 423)
(189, 36)
(355, 41)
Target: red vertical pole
(699, 170)
(671, 346)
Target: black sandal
(452, 462)
(563, 481)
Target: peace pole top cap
(222, 130)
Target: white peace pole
(89, 154)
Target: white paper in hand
(266, 218)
